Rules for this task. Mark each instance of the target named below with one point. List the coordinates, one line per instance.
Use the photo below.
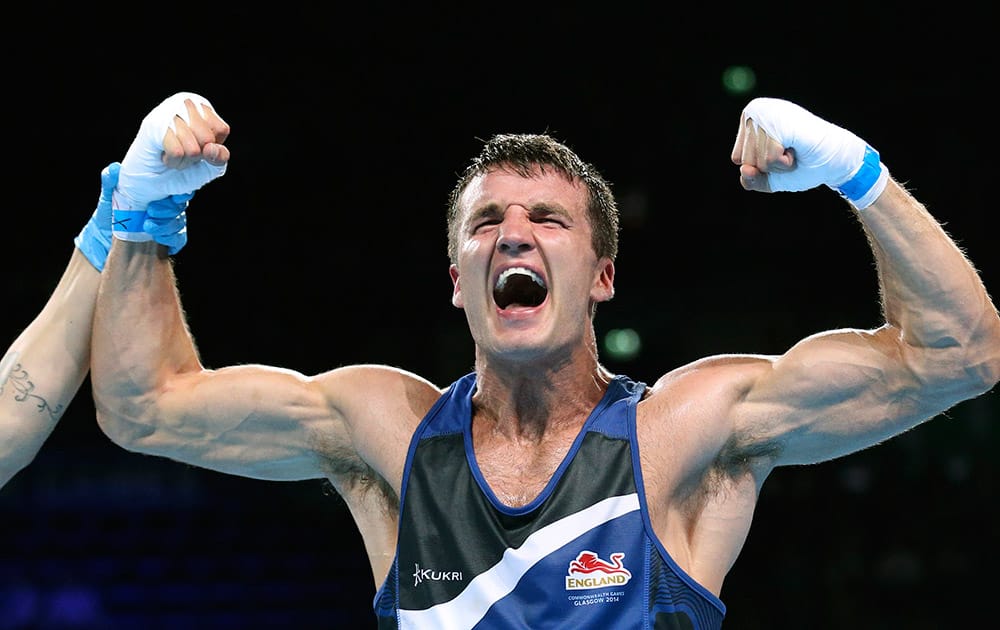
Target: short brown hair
(521, 154)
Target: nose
(516, 233)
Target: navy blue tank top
(581, 555)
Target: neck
(530, 399)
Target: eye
(546, 215)
(551, 219)
(484, 223)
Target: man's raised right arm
(151, 392)
(154, 396)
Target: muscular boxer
(540, 489)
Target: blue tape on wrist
(93, 243)
(128, 220)
(871, 168)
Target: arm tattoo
(13, 373)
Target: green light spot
(622, 344)
(738, 79)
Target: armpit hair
(742, 453)
(355, 475)
(731, 468)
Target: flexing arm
(154, 396)
(841, 391)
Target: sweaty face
(527, 274)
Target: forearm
(140, 339)
(44, 367)
(930, 290)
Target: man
(541, 488)
(44, 367)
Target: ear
(456, 294)
(604, 281)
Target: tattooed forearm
(14, 376)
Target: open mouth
(519, 286)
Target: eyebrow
(547, 209)
(488, 211)
(492, 210)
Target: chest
(578, 554)
(517, 472)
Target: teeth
(507, 273)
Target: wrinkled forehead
(503, 186)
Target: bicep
(835, 393)
(248, 420)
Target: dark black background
(324, 245)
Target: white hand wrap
(824, 153)
(143, 176)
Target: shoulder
(704, 393)
(377, 407)
(374, 385)
(731, 375)
(696, 408)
